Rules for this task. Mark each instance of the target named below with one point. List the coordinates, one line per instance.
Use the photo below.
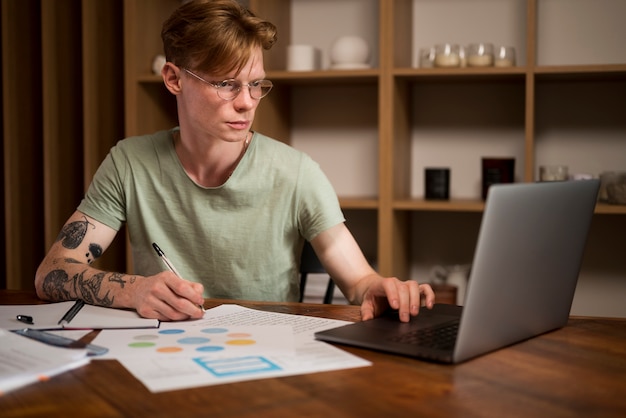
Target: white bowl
(349, 52)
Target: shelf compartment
(500, 22)
(580, 124)
(338, 18)
(580, 32)
(337, 125)
(473, 118)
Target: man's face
(202, 110)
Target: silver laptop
(526, 265)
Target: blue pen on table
(169, 264)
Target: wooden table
(579, 370)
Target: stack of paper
(24, 361)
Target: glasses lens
(260, 88)
(228, 89)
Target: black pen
(25, 319)
(69, 315)
(169, 264)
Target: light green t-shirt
(241, 240)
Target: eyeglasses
(229, 89)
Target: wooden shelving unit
(393, 81)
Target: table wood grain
(579, 370)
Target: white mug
(303, 58)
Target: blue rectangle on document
(237, 366)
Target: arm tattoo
(119, 278)
(73, 233)
(95, 250)
(58, 286)
(54, 285)
(89, 289)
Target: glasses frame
(237, 86)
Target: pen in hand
(169, 264)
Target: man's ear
(171, 78)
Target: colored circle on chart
(169, 349)
(193, 340)
(141, 344)
(239, 335)
(241, 342)
(171, 331)
(209, 348)
(146, 337)
(214, 330)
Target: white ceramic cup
(303, 58)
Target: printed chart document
(47, 316)
(24, 361)
(229, 344)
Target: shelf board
(461, 71)
(358, 202)
(607, 209)
(472, 205)
(452, 205)
(464, 74)
(581, 72)
(581, 69)
(325, 76)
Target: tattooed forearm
(72, 234)
(58, 285)
(89, 289)
(119, 278)
(54, 285)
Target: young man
(230, 207)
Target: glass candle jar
(447, 55)
(553, 173)
(463, 56)
(480, 55)
(505, 57)
(426, 57)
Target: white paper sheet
(24, 361)
(188, 368)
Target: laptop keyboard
(440, 337)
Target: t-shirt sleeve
(319, 207)
(105, 199)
